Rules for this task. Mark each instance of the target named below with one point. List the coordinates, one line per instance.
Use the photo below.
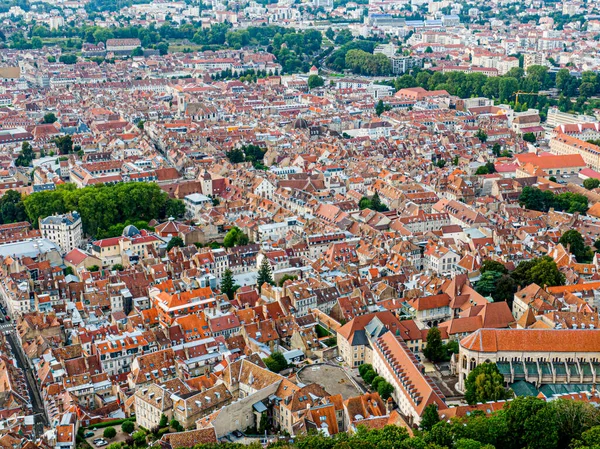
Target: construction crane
(525, 93)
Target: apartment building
(566, 145)
(413, 390)
(64, 230)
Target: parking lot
(333, 378)
(97, 433)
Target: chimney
(389, 405)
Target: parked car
(88, 434)
(339, 359)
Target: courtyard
(334, 379)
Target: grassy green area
(321, 331)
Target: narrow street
(32, 386)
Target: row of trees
(543, 200)
(378, 383)
(501, 88)
(101, 206)
(523, 423)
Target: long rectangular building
(413, 389)
(538, 356)
(564, 144)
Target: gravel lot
(333, 378)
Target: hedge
(115, 422)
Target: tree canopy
(591, 183)
(574, 242)
(276, 362)
(485, 383)
(373, 203)
(542, 200)
(101, 206)
(523, 423)
(235, 237)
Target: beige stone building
(538, 356)
(151, 403)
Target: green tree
(589, 439)
(451, 348)
(118, 267)
(236, 156)
(49, 118)
(440, 435)
(26, 156)
(36, 43)
(546, 273)
(235, 237)
(496, 148)
(64, 144)
(315, 81)
(485, 383)
(379, 108)
(506, 287)
(486, 285)
(264, 423)
(573, 419)
(164, 421)
(492, 265)
(173, 208)
(68, 59)
(175, 241)
(264, 274)
(481, 135)
(127, 427)
(176, 425)
(434, 350)
(385, 390)
(369, 376)
(93, 268)
(365, 203)
(486, 169)
(375, 382)
(529, 137)
(430, 417)
(109, 432)
(139, 437)
(574, 242)
(286, 277)
(276, 362)
(137, 52)
(228, 285)
(163, 48)
(591, 183)
(531, 423)
(373, 203)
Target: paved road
(32, 385)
